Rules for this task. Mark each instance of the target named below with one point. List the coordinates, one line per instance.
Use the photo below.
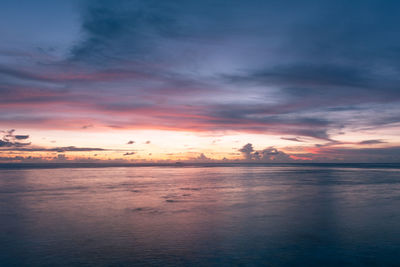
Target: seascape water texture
(199, 216)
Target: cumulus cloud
(202, 157)
(269, 154)
(247, 151)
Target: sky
(203, 81)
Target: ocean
(244, 215)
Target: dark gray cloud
(372, 142)
(307, 75)
(9, 139)
(10, 142)
(310, 86)
(115, 31)
(56, 149)
(294, 139)
(365, 142)
(21, 137)
(247, 151)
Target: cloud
(365, 142)
(9, 139)
(201, 158)
(247, 151)
(20, 74)
(129, 153)
(57, 149)
(331, 143)
(372, 142)
(294, 139)
(307, 75)
(10, 142)
(113, 31)
(356, 155)
(87, 126)
(6, 144)
(269, 154)
(21, 137)
(130, 142)
(75, 149)
(147, 142)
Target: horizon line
(58, 165)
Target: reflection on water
(166, 216)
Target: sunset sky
(151, 81)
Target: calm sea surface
(200, 216)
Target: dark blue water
(220, 216)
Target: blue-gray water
(219, 216)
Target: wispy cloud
(294, 139)
(372, 142)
